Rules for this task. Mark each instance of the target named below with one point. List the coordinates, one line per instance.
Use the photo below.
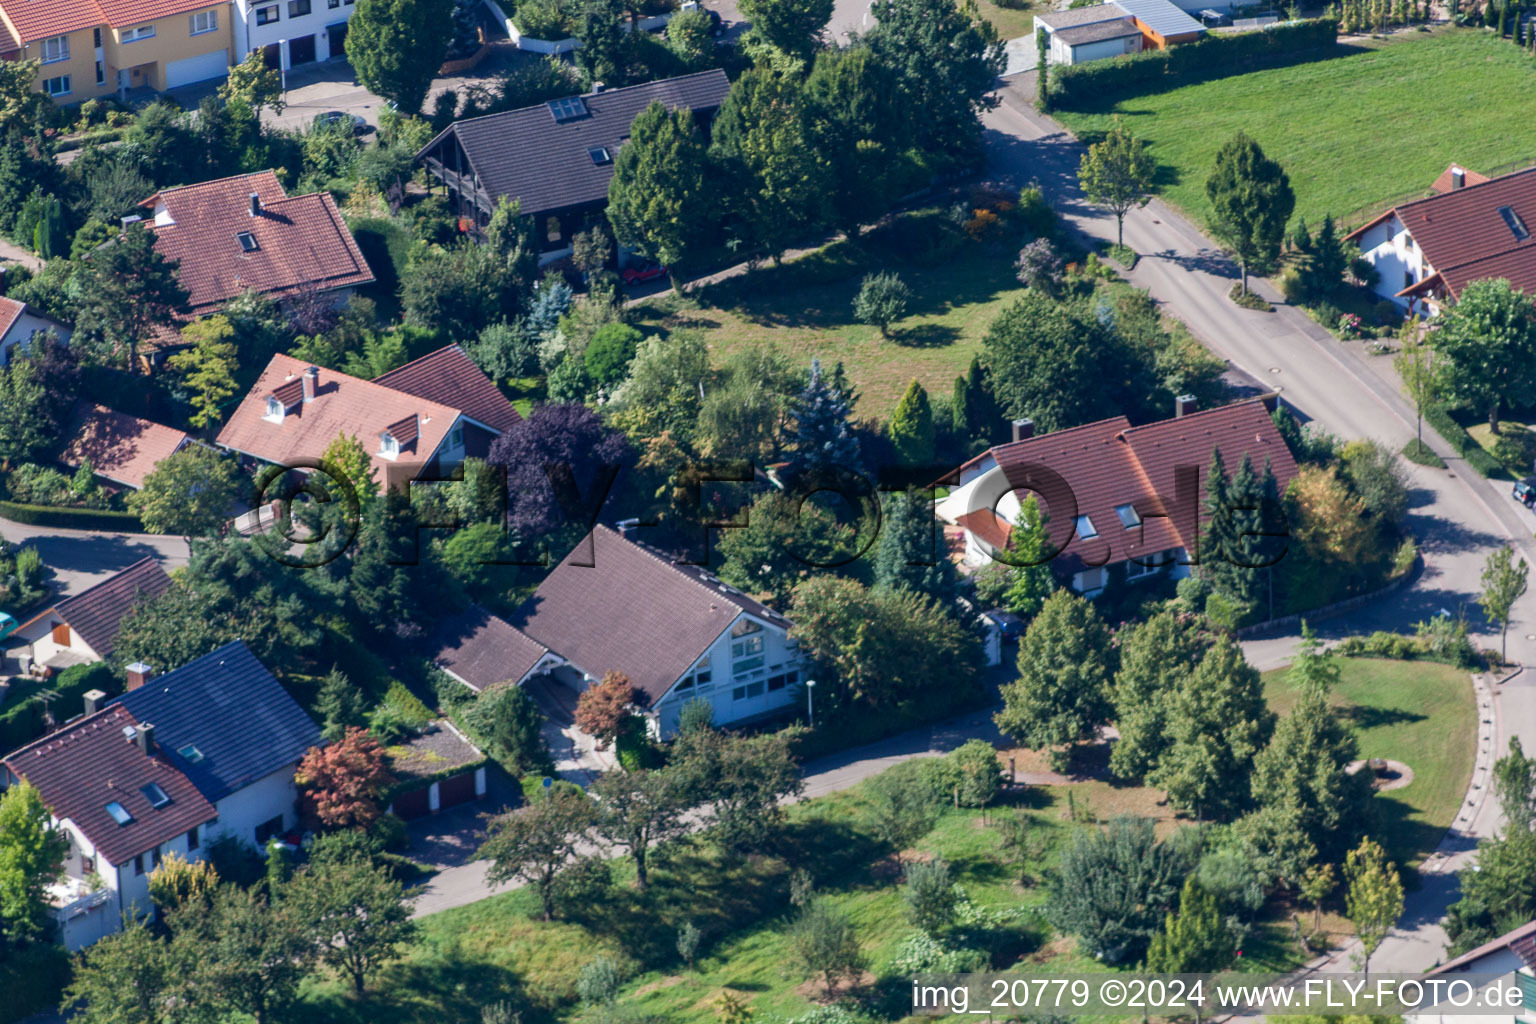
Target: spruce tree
(1196, 940)
(1029, 551)
(911, 428)
(820, 436)
(339, 704)
(911, 552)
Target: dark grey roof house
(555, 158)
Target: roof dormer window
(274, 409)
(1514, 223)
(156, 796)
(389, 446)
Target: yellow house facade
(89, 48)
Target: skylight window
(191, 753)
(1129, 518)
(119, 813)
(600, 156)
(568, 108)
(247, 241)
(1514, 223)
(156, 796)
(1085, 530)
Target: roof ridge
(1259, 399)
(708, 72)
(97, 586)
(112, 709)
(361, 380)
(219, 181)
(1466, 188)
(670, 564)
(420, 359)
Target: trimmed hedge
(1476, 455)
(1079, 86)
(105, 520)
(23, 719)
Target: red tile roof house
(246, 234)
(1470, 229)
(1130, 516)
(20, 323)
(1514, 952)
(418, 421)
(122, 449)
(84, 628)
(172, 765)
(614, 604)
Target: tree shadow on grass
(442, 986)
(926, 336)
(1366, 717)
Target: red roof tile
(10, 309)
(1464, 236)
(449, 376)
(301, 242)
(43, 19)
(122, 448)
(1446, 183)
(121, 13)
(81, 768)
(342, 405)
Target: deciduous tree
(1066, 663)
(1113, 887)
(1504, 581)
(256, 83)
(131, 977)
(793, 27)
(1251, 201)
(536, 843)
(208, 367)
(607, 710)
(32, 855)
(882, 299)
(340, 784)
(191, 493)
(396, 47)
(1116, 173)
(1156, 659)
(639, 811)
(1419, 367)
(356, 911)
(1374, 900)
(825, 943)
(251, 952)
(928, 896)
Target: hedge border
(1080, 86)
(102, 520)
(1439, 417)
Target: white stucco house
(20, 323)
(1470, 228)
(614, 604)
(83, 628)
(1507, 962)
(174, 764)
(291, 32)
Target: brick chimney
(1183, 406)
(145, 737)
(94, 699)
(311, 381)
(1023, 429)
(255, 205)
(138, 674)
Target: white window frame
(64, 80)
(277, 14)
(1135, 570)
(1085, 529)
(388, 446)
(209, 18)
(133, 35)
(274, 410)
(53, 49)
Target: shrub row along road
(1457, 515)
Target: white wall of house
(1390, 248)
(284, 26)
(1501, 961)
(743, 681)
(125, 886)
(38, 634)
(244, 810)
(1061, 53)
(25, 327)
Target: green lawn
(1010, 22)
(1345, 129)
(1417, 712)
(805, 309)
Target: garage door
(413, 804)
(458, 790)
(196, 69)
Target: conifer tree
(1196, 940)
(1066, 664)
(340, 705)
(911, 550)
(820, 435)
(1029, 548)
(911, 428)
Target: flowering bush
(982, 225)
(1349, 325)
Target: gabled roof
(301, 242)
(1446, 182)
(1465, 236)
(1071, 17)
(482, 649)
(227, 705)
(1111, 464)
(11, 309)
(122, 448)
(1521, 941)
(527, 155)
(342, 405)
(43, 19)
(97, 612)
(1162, 17)
(615, 605)
(89, 763)
(449, 376)
(121, 13)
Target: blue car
(8, 625)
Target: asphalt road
(81, 558)
(1459, 515)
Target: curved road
(1459, 515)
(81, 558)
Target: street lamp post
(282, 65)
(810, 706)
